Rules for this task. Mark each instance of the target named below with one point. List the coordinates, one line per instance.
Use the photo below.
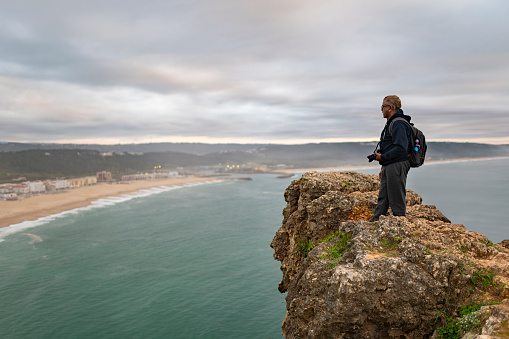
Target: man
(393, 156)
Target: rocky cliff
(401, 277)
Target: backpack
(417, 145)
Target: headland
(418, 276)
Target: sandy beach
(13, 212)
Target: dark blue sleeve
(399, 140)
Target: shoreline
(39, 206)
(357, 167)
(36, 207)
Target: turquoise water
(191, 262)
(472, 193)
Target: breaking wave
(99, 203)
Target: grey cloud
(262, 69)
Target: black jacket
(394, 147)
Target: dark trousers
(393, 189)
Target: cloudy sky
(279, 71)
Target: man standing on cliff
(393, 156)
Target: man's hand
(378, 157)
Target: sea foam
(99, 203)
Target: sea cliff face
(400, 277)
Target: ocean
(474, 193)
(189, 262)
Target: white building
(36, 186)
(6, 188)
(20, 189)
(57, 185)
(9, 196)
(149, 176)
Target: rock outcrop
(400, 277)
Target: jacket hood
(400, 114)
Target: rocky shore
(401, 277)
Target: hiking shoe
(373, 219)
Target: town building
(86, 181)
(149, 176)
(104, 176)
(56, 185)
(35, 187)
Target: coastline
(357, 167)
(33, 208)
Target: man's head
(390, 106)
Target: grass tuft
(338, 248)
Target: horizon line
(67, 142)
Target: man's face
(386, 110)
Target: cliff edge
(401, 277)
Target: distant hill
(43, 164)
(352, 153)
(454, 150)
(191, 148)
(39, 163)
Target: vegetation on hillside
(44, 164)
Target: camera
(372, 157)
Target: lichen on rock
(403, 277)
